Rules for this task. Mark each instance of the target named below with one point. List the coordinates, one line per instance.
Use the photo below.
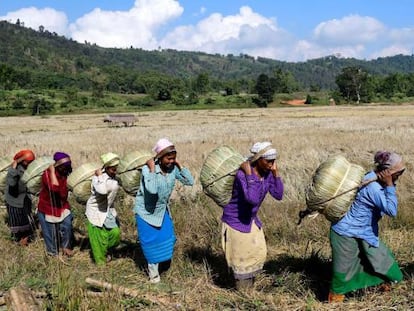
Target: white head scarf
(389, 160)
(263, 150)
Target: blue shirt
(371, 203)
(155, 190)
(248, 194)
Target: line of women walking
(360, 259)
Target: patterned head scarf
(163, 147)
(24, 155)
(263, 150)
(110, 159)
(388, 160)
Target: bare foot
(24, 241)
(68, 252)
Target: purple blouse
(247, 196)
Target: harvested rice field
(297, 271)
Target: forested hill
(44, 54)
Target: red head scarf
(25, 154)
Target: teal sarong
(357, 265)
(157, 243)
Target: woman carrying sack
(18, 200)
(152, 212)
(54, 213)
(359, 258)
(103, 228)
(243, 240)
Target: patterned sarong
(20, 219)
(157, 243)
(357, 265)
(245, 252)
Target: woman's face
(396, 175)
(111, 171)
(264, 165)
(64, 170)
(25, 163)
(167, 162)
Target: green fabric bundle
(79, 181)
(4, 166)
(129, 170)
(217, 173)
(33, 174)
(335, 177)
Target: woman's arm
(149, 179)
(183, 174)
(248, 184)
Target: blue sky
(289, 30)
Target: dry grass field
(297, 271)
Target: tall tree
(265, 89)
(352, 83)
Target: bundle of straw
(79, 181)
(333, 187)
(33, 174)
(4, 166)
(217, 173)
(129, 170)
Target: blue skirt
(157, 243)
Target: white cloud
(136, 27)
(391, 51)
(246, 32)
(51, 19)
(353, 29)
(240, 33)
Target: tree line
(46, 62)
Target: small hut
(120, 119)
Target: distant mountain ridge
(26, 49)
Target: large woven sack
(335, 177)
(218, 171)
(79, 181)
(33, 174)
(129, 170)
(4, 167)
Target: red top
(53, 200)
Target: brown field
(297, 272)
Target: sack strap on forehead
(259, 154)
(62, 161)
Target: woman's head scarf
(388, 160)
(163, 147)
(24, 155)
(62, 158)
(110, 159)
(263, 150)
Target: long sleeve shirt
(371, 203)
(16, 194)
(248, 194)
(155, 190)
(100, 207)
(53, 199)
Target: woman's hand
(151, 165)
(385, 177)
(245, 166)
(177, 164)
(274, 169)
(98, 172)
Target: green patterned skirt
(357, 265)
